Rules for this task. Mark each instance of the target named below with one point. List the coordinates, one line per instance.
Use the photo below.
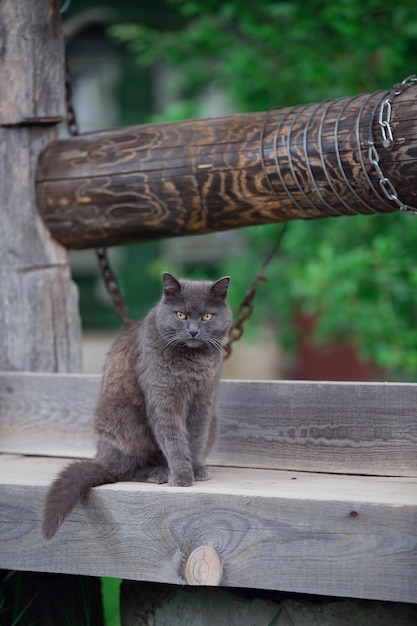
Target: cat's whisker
(171, 342)
(171, 339)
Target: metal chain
(245, 309)
(384, 121)
(112, 286)
(72, 124)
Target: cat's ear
(219, 288)
(172, 287)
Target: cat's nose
(193, 333)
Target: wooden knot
(204, 567)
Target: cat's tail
(72, 484)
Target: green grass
(11, 610)
(21, 600)
(110, 590)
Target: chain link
(245, 309)
(112, 286)
(386, 131)
(384, 121)
(72, 124)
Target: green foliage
(269, 53)
(359, 273)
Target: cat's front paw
(201, 473)
(181, 479)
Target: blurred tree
(283, 53)
(359, 273)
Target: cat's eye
(181, 315)
(207, 317)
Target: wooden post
(39, 321)
(197, 176)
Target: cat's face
(193, 313)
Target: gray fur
(155, 419)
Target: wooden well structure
(314, 484)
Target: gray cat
(155, 419)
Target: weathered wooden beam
(40, 328)
(39, 321)
(31, 63)
(348, 536)
(198, 176)
(348, 428)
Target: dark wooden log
(153, 181)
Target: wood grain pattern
(308, 533)
(197, 176)
(203, 567)
(31, 62)
(39, 321)
(356, 428)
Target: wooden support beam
(198, 176)
(262, 524)
(31, 63)
(347, 428)
(346, 536)
(39, 321)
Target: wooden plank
(31, 62)
(299, 532)
(358, 428)
(355, 428)
(47, 415)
